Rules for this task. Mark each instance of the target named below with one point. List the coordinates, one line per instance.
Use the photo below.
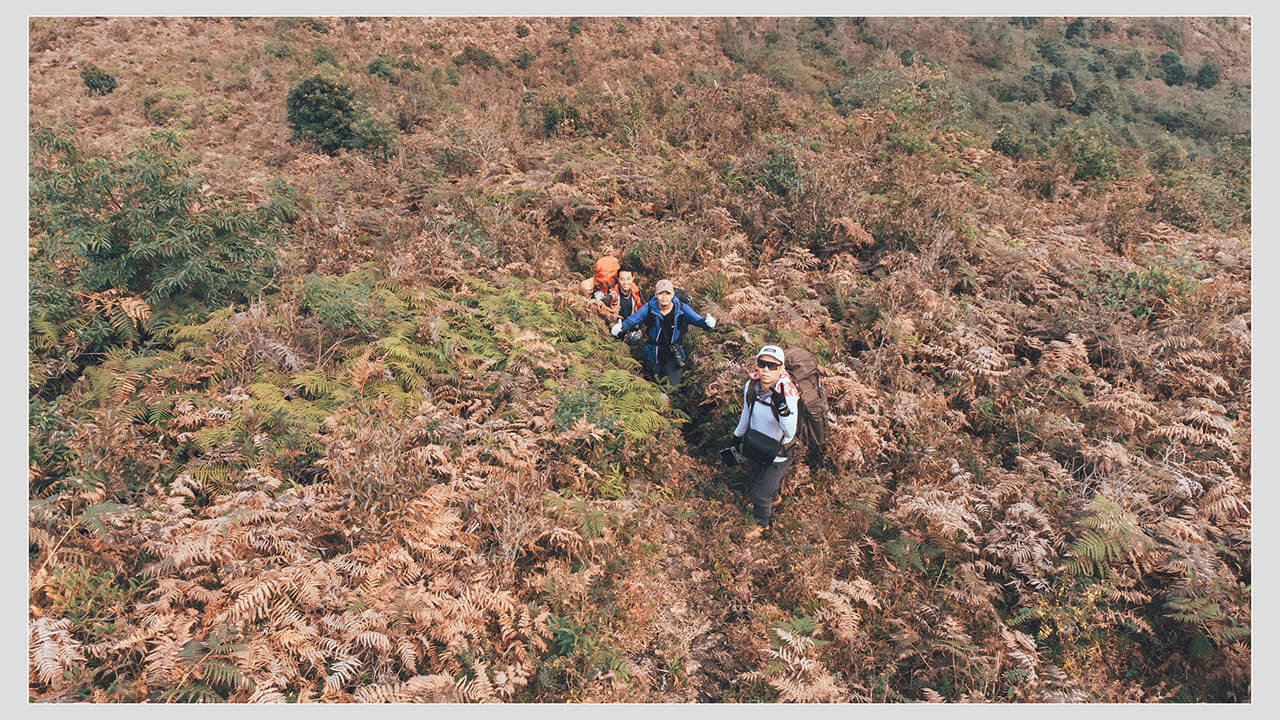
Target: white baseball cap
(773, 351)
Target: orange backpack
(606, 274)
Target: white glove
(711, 320)
(598, 296)
(616, 330)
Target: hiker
(603, 287)
(667, 319)
(628, 295)
(770, 408)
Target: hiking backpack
(605, 277)
(811, 423)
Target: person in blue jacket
(666, 319)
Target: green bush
(1166, 156)
(481, 58)
(524, 59)
(381, 67)
(1171, 69)
(557, 111)
(522, 30)
(1208, 75)
(1132, 64)
(1099, 99)
(108, 233)
(340, 303)
(573, 28)
(160, 110)
(1092, 155)
(779, 173)
(1053, 51)
(1062, 91)
(142, 225)
(324, 113)
(97, 80)
(1078, 29)
(324, 53)
(277, 48)
(907, 57)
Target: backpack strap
(750, 396)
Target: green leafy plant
(99, 81)
(141, 224)
(1171, 68)
(381, 67)
(324, 112)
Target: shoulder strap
(750, 397)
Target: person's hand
(616, 330)
(711, 320)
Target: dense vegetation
(317, 413)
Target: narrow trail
(714, 579)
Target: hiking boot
(776, 501)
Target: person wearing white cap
(667, 319)
(770, 405)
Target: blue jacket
(651, 316)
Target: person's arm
(636, 318)
(788, 421)
(694, 318)
(745, 420)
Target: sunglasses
(767, 364)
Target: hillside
(318, 414)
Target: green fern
(313, 383)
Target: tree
(1209, 75)
(1172, 69)
(1062, 92)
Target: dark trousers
(766, 478)
(669, 366)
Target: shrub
(381, 67)
(557, 112)
(277, 48)
(907, 57)
(1100, 99)
(1078, 29)
(324, 53)
(324, 113)
(522, 30)
(1093, 156)
(779, 173)
(1166, 156)
(481, 58)
(1132, 64)
(1171, 33)
(574, 28)
(1208, 75)
(159, 110)
(1062, 92)
(1171, 68)
(138, 227)
(1054, 51)
(525, 58)
(97, 80)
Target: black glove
(779, 401)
